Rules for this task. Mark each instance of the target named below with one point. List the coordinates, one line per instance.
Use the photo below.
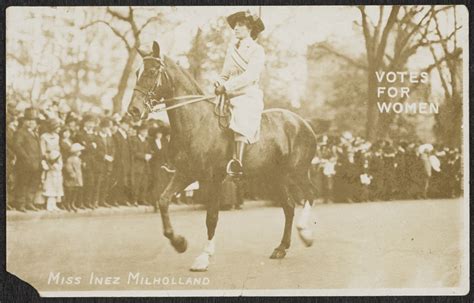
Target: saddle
(222, 110)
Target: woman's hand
(220, 90)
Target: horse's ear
(142, 53)
(156, 49)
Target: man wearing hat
(28, 163)
(72, 123)
(122, 165)
(141, 155)
(12, 125)
(104, 164)
(243, 65)
(87, 138)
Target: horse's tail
(315, 136)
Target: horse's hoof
(180, 244)
(306, 236)
(278, 254)
(201, 263)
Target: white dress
(240, 76)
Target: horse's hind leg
(303, 191)
(201, 263)
(289, 211)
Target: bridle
(151, 103)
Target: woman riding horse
(282, 155)
(243, 64)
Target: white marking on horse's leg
(304, 230)
(210, 247)
(304, 216)
(201, 263)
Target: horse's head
(152, 87)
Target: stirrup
(232, 173)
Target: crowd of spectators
(65, 162)
(351, 169)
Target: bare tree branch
(369, 43)
(148, 22)
(386, 31)
(379, 24)
(118, 15)
(113, 29)
(444, 82)
(404, 42)
(342, 56)
(17, 58)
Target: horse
(202, 148)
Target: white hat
(76, 147)
(425, 148)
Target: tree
(448, 64)
(390, 41)
(131, 42)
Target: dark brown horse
(202, 149)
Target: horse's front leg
(177, 184)
(201, 263)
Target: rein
(193, 99)
(221, 105)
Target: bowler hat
(256, 23)
(71, 117)
(106, 122)
(88, 118)
(30, 114)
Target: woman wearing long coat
(243, 64)
(52, 165)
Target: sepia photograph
(175, 151)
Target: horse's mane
(184, 77)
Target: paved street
(383, 245)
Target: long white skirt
(246, 114)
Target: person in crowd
(87, 138)
(388, 156)
(50, 139)
(327, 170)
(73, 180)
(52, 179)
(376, 166)
(50, 142)
(159, 175)
(141, 155)
(121, 192)
(401, 171)
(28, 161)
(424, 151)
(105, 156)
(65, 143)
(12, 125)
(72, 123)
